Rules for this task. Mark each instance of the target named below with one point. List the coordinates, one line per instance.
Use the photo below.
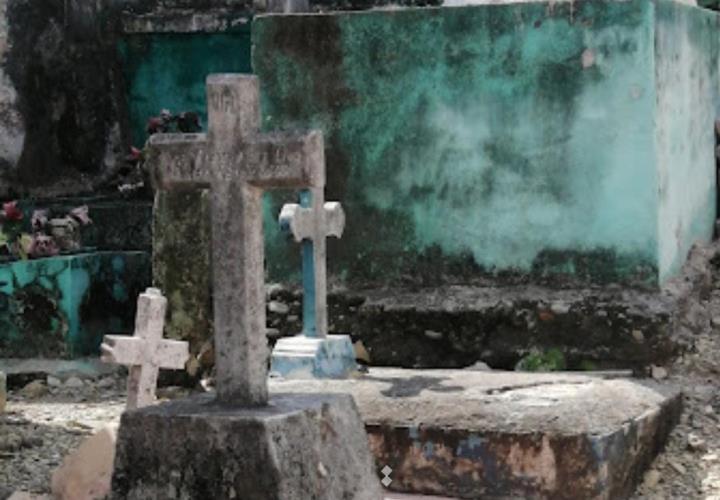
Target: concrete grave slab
(471, 434)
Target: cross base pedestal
(310, 357)
(297, 447)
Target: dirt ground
(48, 418)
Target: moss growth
(552, 360)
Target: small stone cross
(147, 351)
(238, 163)
(311, 222)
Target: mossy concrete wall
(688, 102)
(62, 306)
(504, 138)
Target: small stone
(361, 353)
(273, 289)
(715, 321)
(278, 307)
(293, 318)
(679, 468)
(708, 410)
(638, 336)
(696, 443)
(106, 383)
(74, 383)
(560, 307)
(479, 366)
(658, 372)
(53, 381)
(34, 389)
(322, 470)
(272, 333)
(652, 478)
(86, 472)
(431, 334)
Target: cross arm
(286, 159)
(171, 354)
(122, 350)
(301, 221)
(179, 161)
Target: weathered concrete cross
(237, 163)
(310, 223)
(147, 351)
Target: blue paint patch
(428, 450)
(304, 357)
(471, 448)
(308, 276)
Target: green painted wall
(497, 138)
(62, 306)
(169, 70)
(688, 91)
(510, 140)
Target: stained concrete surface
(507, 434)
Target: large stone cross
(237, 163)
(147, 351)
(310, 223)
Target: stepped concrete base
(307, 357)
(298, 447)
(471, 434)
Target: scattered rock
(277, 307)
(172, 392)
(560, 308)
(106, 383)
(638, 336)
(361, 353)
(87, 472)
(73, 383)
(652, 478)
(696, 443)
(34, 389)
(53, 381)
(431, 334)
(658, 372)
(679, 468)
(272, 333)
(479, 366)
(293, 318)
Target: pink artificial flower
(43, 246)
(39, 220)
(81, 215)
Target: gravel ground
(47, 419)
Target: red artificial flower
(11, 211)
(135, 153)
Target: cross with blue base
(314, 353)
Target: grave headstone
(314, 353)
(237, 443)
(147, 351)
